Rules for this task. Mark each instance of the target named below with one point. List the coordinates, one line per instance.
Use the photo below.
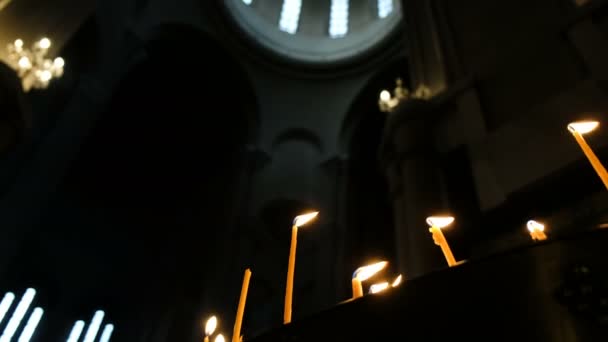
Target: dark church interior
(153, 153)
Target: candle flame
(220, 338)
(378, 287)
(397, 281)
(210, 325)
(439, 221)
(303, 219)
(534, 226)
(366, 272)
(583, 127)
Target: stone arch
(299, 134)
(160, 169)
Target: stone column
(415, 180)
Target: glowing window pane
(107, 333)
(290, 16)
(20, 311)
(338, 18)
(94, 326)
(6, 303)
(385, 8)
(31, 325)
(76, 331)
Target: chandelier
(32, 65)
(387, 101)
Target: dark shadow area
(135, 222)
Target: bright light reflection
(6, 303)
(94, 326)
(76, 331)
(107, 333)
(31, 325)
(20, 311)
(247, 2)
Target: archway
(155, 182)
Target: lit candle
(297, 222)
(437, 223)
(397, 281)
(363, 273)
(220, 338)
(537, 230)
(210, 327)
(578, 129)
(236, 334)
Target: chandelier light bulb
(44, 43)
(45, 75)
(24, 63)
(385, 95)
(59, 62)
(33, 65)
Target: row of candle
(436, 224)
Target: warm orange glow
(535, 226)
(366, 272)
(220, 338)
(303, 219)
(378, 287)
(397, 281)
(583, 127)
(439, 221)
(210, 325)
(537, 230)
